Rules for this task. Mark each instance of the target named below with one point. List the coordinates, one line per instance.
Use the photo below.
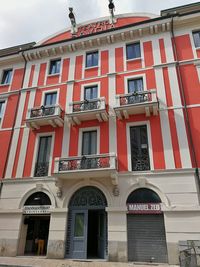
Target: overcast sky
(23, 21)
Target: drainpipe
(13, 125)
(182, 91)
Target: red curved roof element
(94, 27)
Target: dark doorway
(37, 234)
(93, 226)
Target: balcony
(44, 115)
(90, 166)
(87, 110)
(145, 102)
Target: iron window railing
(41, 169)
(43, 111)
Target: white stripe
(164, 118)
(179, 119)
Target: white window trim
(83, 86)
(147, 123)
(1, 77)
(52, 134)
(133, 59)
(99, 59)
(47, 74)
(50, 91)
(127, 78)
(5, 100)
(194, 48)
(80, 139)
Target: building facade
(99, 140)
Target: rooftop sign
(94, 28)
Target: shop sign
(144, 208)
(94, 28)
(44, 209)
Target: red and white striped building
(99, 139)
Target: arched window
(143, 195)
(38, 199)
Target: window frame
(198, 45)
(133, 58)
(50, 93)
(36, 150)
(88, 129)
(50, 66)
(83, 86)
(135, 77)
(141, 123)
(2, 76)
(3, 112)
(47, 92)
(91, 53)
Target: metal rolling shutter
(146, 238)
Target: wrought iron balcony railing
(44, 115)
(136, 103)
(41, 169)
(87, 110)
(140, 162)
(84, 164)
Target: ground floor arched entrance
(35, 225)
(87, 225)
(145, 227)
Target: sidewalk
(43, 262)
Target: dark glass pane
(1, 108)
(139, 148)
(196, 36)
(135, 85)
(50, 99)
(133, 51)
(143, 195)
(90, 92)
(42, 164)
(38, 199)
(6, 79)
(55, 66)
(92, 59)
(79, 225)
(89, 143)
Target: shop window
(196, 36)
(133, 51)
(43, 156)
(55, 66)
(92, 59)
(7, 75)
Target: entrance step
(43, 262)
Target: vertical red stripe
(30, 83)
(65, 70)
(79, 67)
(148, 54)
(119, 59)
(104, 62)
(17, 153)
(42, 72)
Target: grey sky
(23, 21)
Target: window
(2, 104)
(135, 85)
(89, 143)
(133, 51)
(42, 163)
(196, 36)
(7, 75)
(92, 59)
(139, 148)
(90, 92)
(50, 99)
(55, 66)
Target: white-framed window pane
(135, 85)
(133, 51)
(92, 59)
(196, 36)
(7, 75)
(55, 66)
(91, 92)
(50, 99)
(89, 143)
